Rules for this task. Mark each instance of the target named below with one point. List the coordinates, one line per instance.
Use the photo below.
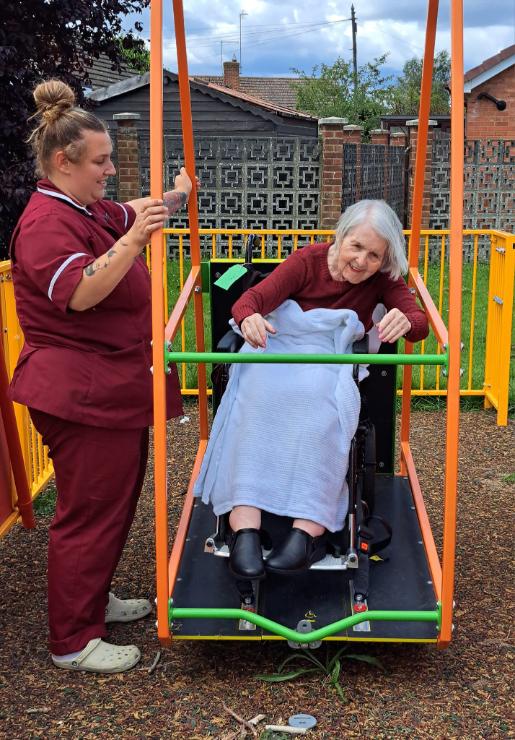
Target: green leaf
(291, 658)
(278, 677)
(335, 673)
(336, 657)
(365, 659)
(339, 691)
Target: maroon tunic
(305, 278)
(93, 366)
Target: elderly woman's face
(360, 254)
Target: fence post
(498, 327)
(129, 184)
(352, 135)
(379, 137)
(331, 175)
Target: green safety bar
(296, 358)
(385, 615)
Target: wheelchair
(364, 533)
(366, 567)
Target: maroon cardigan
(305, 278)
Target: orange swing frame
(167, 563)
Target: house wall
(483, 119)
(212, 116)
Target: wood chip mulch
(461, 692)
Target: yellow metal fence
(488, 255)
(38, 466)
(486, 324)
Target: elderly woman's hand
(254, 329)
(393, 325)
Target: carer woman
(83, 299)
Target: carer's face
(360, 255)
(88, 177)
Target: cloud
(278, 36)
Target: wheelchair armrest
(361, 346)
(230, 342)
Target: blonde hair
(61, 125)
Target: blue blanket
(281, 437)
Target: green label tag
(230, 276)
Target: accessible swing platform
(400, 580)
(399, 577)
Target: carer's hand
(393, 325)
(183, 182)
(151, 216)
(254, 329)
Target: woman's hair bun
(53, 98)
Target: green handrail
(255, 357)
(303, 637)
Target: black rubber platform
(400, 582)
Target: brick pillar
(398, 138)
(413, 141)
(129, 181)
(379, 136)
(331, 134)
(352, 134)
(232, 74)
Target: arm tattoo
(94, 267)
(175, 200)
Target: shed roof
(103, 72)
(237, 98)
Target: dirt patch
(461, 692)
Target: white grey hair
(383, 219)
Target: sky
(280, 35)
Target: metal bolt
(198, 289)
(381, 464)
(384, 373)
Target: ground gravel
(461, 692)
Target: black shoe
(246, 557)
(297, 553)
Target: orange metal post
(454, 349)
(418, 193)
(156, 191)
(189, 159)
(433, 315)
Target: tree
(329, 91)
(135, 55)
(405, 93)
(41, 39)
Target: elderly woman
(292, 424)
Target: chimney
(232, 74)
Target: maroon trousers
(99, 474)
